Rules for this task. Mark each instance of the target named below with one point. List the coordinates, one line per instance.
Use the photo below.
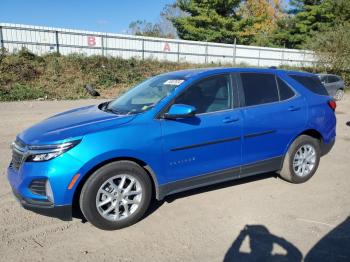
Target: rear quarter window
(333, 79)
(312, 83)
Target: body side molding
(264, 166)
(207, 143)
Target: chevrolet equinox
(172, 132)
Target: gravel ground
(284, 220)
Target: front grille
(16, 159)
(38, 187)
(18, 150)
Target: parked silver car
(334, 84)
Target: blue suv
(173, 132)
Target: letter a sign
(166, 47)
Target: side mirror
(180, 111)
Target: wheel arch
(313, 133)
(309, 132)
(141, 163)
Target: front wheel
(302, 160)
(116, 196)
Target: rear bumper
(45, 208)
(326, 148)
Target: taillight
(332, 104)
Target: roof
(325, 74)
(189, 73)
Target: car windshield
(144, 96)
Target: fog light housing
(48, 190)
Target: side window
(259, 88)
(285, 91)
(209, 95)
(324, 79)
(312, 83)
(333, 79)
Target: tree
(332, 48)
(332, 44)
(307, 17)
(170, 11)
(145, 28)
(259, 20)
(163, 28)
(209, 20)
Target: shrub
(332, 48)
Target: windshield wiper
(134, 111)
(104, 107)
(114, 111)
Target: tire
(125, 206)
(339, 94)
(301, 144)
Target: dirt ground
(212, 224)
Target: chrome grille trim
(20, 143)
(19, 150)
(17, 159)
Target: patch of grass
(19, 92)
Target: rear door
(273, 114)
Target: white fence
(42, 40)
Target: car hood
(72, 124)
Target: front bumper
(58, 172)
(45, 208)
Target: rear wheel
(339, 94)
(117, 195)
(302, 159)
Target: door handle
(294, 108)
(230, 119)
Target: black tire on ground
(90, 189)
(287, 172)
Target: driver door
(209, 143)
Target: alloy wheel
(119, 197)
(304, 160)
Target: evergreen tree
(208, 20)
(307, 17)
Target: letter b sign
(91, 40)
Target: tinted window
(332, 79)
(210, 95)
(323, 79)
(285, 91)
(312, 83)
(259, 88)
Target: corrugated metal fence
(42, 40)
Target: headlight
(48, 152)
